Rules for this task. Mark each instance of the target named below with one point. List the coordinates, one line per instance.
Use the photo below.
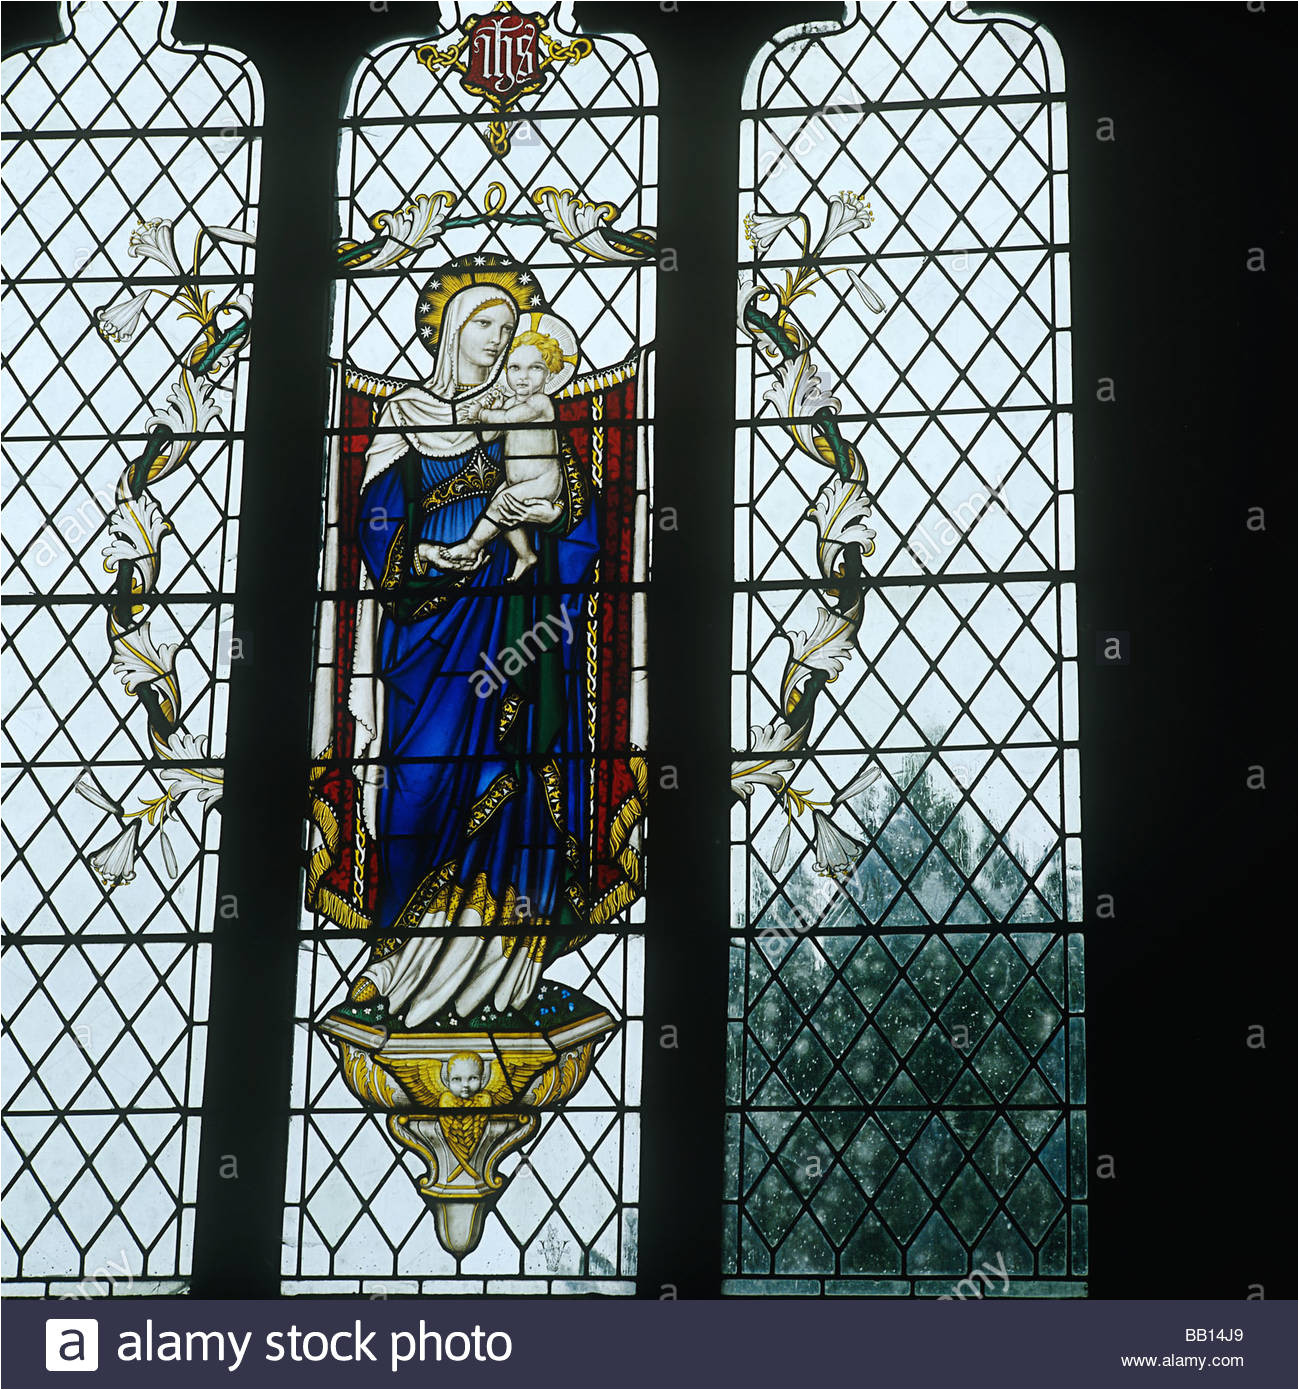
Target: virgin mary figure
(457, 811)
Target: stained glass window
(130, 185)
(466, 1085)
(905, 1073)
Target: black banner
(778, 1343)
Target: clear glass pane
(131, 169)
(903, 692)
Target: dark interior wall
(1201, 352)
(1200, 868)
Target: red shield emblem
(503, 55)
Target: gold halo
(517, 282)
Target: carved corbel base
(519, 1073)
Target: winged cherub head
(465, 1074)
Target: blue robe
(445, 694)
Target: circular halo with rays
(515, 281)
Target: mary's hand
(447, 557)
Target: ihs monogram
(503, 56)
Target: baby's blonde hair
(551, 353)
(466, 1057)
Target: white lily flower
(868, 296)
(168, 854)
(118, 323)
(761, 229)
(154, 241)
(849, 213)
(868, 776)
(834, 853)
(87, 786)
(115, 863)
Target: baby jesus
(533, 481)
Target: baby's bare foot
(521, 566)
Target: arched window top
(954, 124)
(115, 123)
(117, 67)
(890, 54)
(538, 174)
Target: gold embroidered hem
(511, 704)
(502, 788)
(534, 946)
(439, 893)
(394, 565)
(478, 478)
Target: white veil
(421, 415)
